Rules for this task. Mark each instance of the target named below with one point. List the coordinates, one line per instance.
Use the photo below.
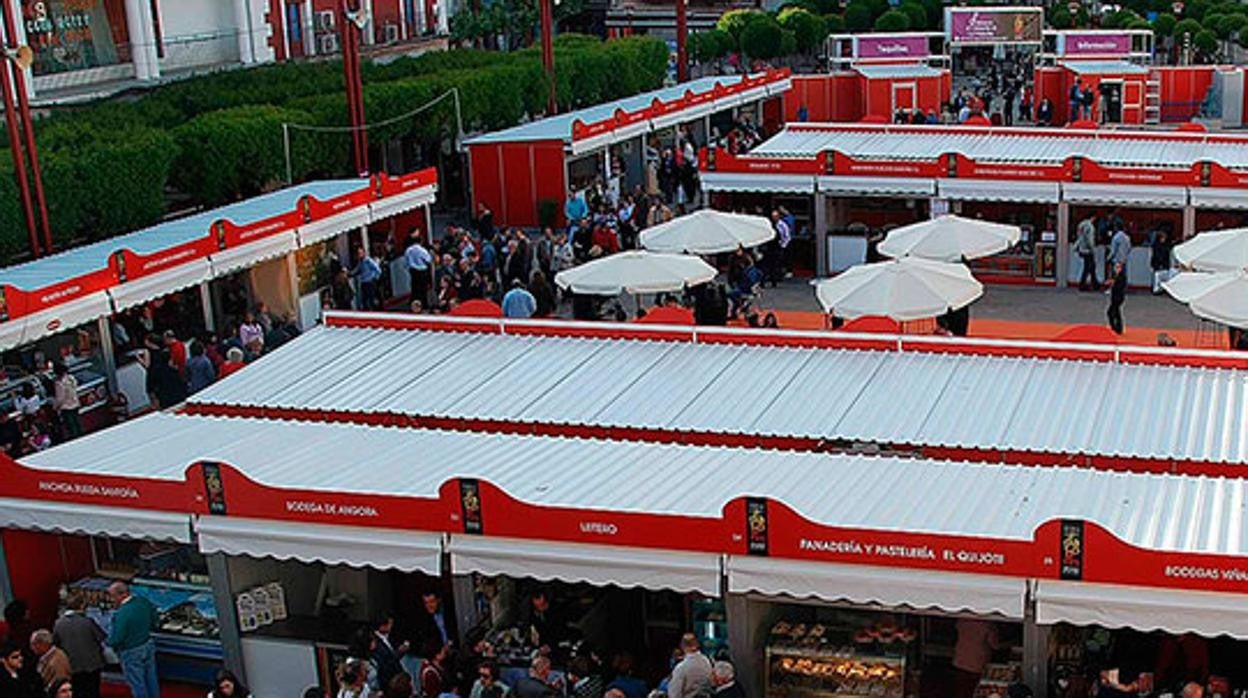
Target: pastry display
(815, 660)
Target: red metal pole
(28, 128)
(682, 33)
(19, 161)
(350, 76)
(548, 53)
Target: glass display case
(832, 672)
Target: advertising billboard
(1005, 25)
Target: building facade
(88, 48)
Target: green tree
(1187, 26)
(1059, 17)
(858, 17)
(1139, 23)
(809, 30)
(1211, 21)
(835, 24)
(709, 45)
(1164, 24)
(1206, 43)
(762, 38)
(788, 43)
(917, 14)
(734, 22)
(1230, 26)
(892, 21)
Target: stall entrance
(1111, 101)
(904, 97)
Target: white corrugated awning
(356, 546)
(999, 190)
(29, 328)
(1104, 68)
(401, 203)
(897, 72)
(595, 564)
(326, 228)
(886, 586)
(877, 186)
(252, 253)
(772, 183)
(147, 288)
(1206, 197)
(1111, 606)
(1125, 195)
(62, 517)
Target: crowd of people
(382, 662)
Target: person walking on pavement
(1119, 252)
(134, 619)
(419, 265)
(81, 638)
(53, 665)
(1085, 247)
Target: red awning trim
(745, 526)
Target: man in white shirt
(419, 263)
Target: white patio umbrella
(949, 238)
(1215, 250)
(636, 271)
(708, 232)
(1220, 296)
(904, 289)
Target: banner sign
(877, 47)
(1084, 44)
(1013, 25)
(70, 35)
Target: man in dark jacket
(385, 655)
(724, 681)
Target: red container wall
(879, 100)
(511, 178)
(1183, 89)
(836, 97)
(39, 563)
(385, 12)
(1051, 83)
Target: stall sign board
(1006, 25)
(470, 504)
(756, 525)
(1072, 548)
(892, 47)
(1094, 44)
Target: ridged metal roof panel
(1159, 512)
(1003, 146)
(954, 400)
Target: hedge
(107, 166)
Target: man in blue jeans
(134, 619)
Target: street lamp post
(682, 33)
(548, 53)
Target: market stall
(192, 275)
(1059, 175)
(523, 174)
(888, 568)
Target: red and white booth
(523, 174)
(1046, 180)
(893, 549)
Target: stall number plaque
(1072, 550)
(214, 488)
(470, 505)
(756, 525)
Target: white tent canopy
(1216, 250)
(636, 271)
(1112, 606)
(94, 520)
(356, 546)
(1222, 297)
(949, 238)
(903, 289)
(595, 564)
(887, 586)
(708, 232)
